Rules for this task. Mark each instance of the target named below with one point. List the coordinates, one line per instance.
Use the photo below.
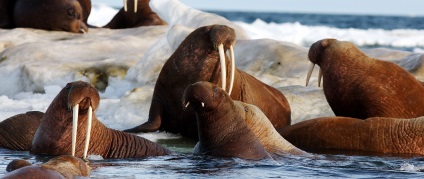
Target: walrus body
(222, 131)
(53, 136)
(197, 59)
(58, 15)
(346, 135)
(129, 19)
(361, 87)
(17, 132)
(59, 167)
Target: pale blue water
(185, 165)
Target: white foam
(306, 35)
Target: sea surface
(404, 33)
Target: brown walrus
(347, 135)
(215, 104)
(58, 15)
(222, 131)
(141, 16)
(361, 87)
(64, 166)
(197, 59)
(53, 136)
(17, 132)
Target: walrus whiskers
(223, 67)
(74, 127)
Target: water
(122, 108)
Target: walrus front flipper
(153, 123)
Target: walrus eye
(71, 12)
(215, 89)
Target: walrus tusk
(233, 68)
(203, 104)
(87, 138)
(125, 5)
(319, 77)
(223, 67)
(83, 31)
(74, 127)
(311, 68)
(188, 103)
(135, 5)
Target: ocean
(32, 76)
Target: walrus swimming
(64, 166)
(222, 131)
(377, 135)
(55, 134)
(216, 105)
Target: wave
(306, 35)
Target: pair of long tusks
(126, 7)
(75, 126)
(224, 68)
(311, 68)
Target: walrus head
(82, 97)
(315, 54)
(68, 166)
(224, 38)
(65, 15)
(203, 96)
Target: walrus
(55, 135)
(361, 87)
(58, 15)
(63, 166)
(141, 16)
(197, 59)
(221, 107)
(17, 132)
(222, 131)
(376, 135)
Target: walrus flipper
(153, 123)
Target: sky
(372, 7)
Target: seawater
(184, 165)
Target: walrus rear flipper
(153, 123)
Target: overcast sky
(376, 7)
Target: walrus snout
(221, 34)
(84, 94)
(201, 95)
(315, 54)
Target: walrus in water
(17, 132)
(201, 57)
(361, 87)
(222, 131)
(139, 14)
(212, 104)
(68, 119)
(64, 166)
(377, 135)
(58, 15)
